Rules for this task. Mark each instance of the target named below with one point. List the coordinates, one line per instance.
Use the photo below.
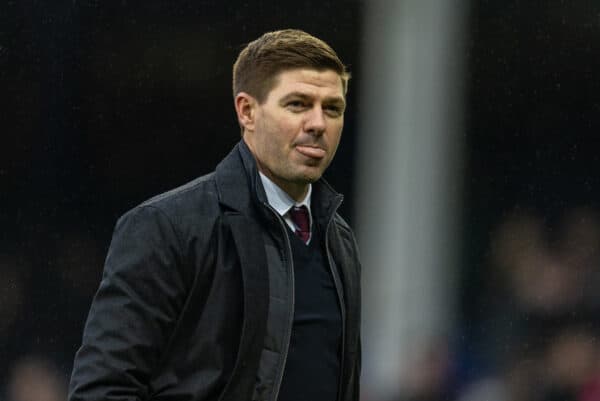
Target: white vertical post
(410, 141)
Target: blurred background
(469, 164)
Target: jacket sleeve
(143, 288)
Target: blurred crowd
(533, 335)
(45, 293)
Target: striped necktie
(300, 218)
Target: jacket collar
(240, 188)
(238, 183)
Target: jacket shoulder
(198, 189)
(189, 203)
(342, 224)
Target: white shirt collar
(280, 200)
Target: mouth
(314, 152)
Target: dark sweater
(313, 364)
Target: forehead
(326, 83)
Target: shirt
(282, 202)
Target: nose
(315, 121)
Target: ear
(245, 108)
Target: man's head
(258, 64)
(289, 90)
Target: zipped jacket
(196, 298)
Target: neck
(296, 191)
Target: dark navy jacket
(196, 299)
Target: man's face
(294, 134)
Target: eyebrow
(328, 100)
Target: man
(243, 284)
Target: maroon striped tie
(300, 218)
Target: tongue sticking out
(310, 151)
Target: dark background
(104, 105)
(532, 118)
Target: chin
(306, 174)
(310, 178)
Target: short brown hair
(258, 64)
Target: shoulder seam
(176, 192)
(178, 234)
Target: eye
(334, 111)
(296, 105)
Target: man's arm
(143, 288)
